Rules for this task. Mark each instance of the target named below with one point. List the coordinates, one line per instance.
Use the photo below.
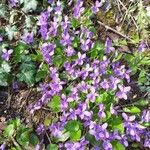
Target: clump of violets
(89, 88)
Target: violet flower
(105, 84)
(1, 38)
(66, 39)
(6, 54)
(142, 46)
(78, 9)
(122, 94)
(108, 46)
(28, 38)
(113, 82)
(47, 50)
(107, 145)
(81, 58)
(58, 8)
(101, 112)
(13, 3)
(3, 146)
(96, 7)
(86, 44)
(69, 51)
(145, 116)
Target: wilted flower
(142, 46)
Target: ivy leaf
(52, 147)
(116, 123)
(27, 72)
(29, 5)
(132, 110)
(117, 146)
(19, 51)
(54, 104)
(10, 30)
(23, 138)
(9, 130)
(2, 11)
(72, 126)
(75, 136)
(33, 139)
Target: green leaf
(54, 104)
(75, 23)
(72, 126)
(19, 51)
(33, 139)
(132, 110)
(27, 72)
(2, 11)
(117, 146)
(9, 130)
(75, 136)
(10, 30)
(116, 123)
(29, 5)
(64, 137)
(23, 138)
(52, 147)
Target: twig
(16, 144)
(129, 14)
(115, 31)
(48, 137)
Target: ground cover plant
(86, 77)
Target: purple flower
(108, 46)
(41, 130)
(142, 46)
(6, 54)
(3, 146)
(107, 145)
(86, 44)
(28, 38)
(13, 3)
(105, 84)
(66, 39)
(96, 7)
(50, 1)
(92, 95)
(145, 116)
(78, 9)
(101, 112)
(47, 50)
(82, 112)
(69, 51)
(113, 82)
(122, 94)
(58, 8)
(1, 38)
(80, 59)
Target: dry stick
(129, 14)
(115, 31)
